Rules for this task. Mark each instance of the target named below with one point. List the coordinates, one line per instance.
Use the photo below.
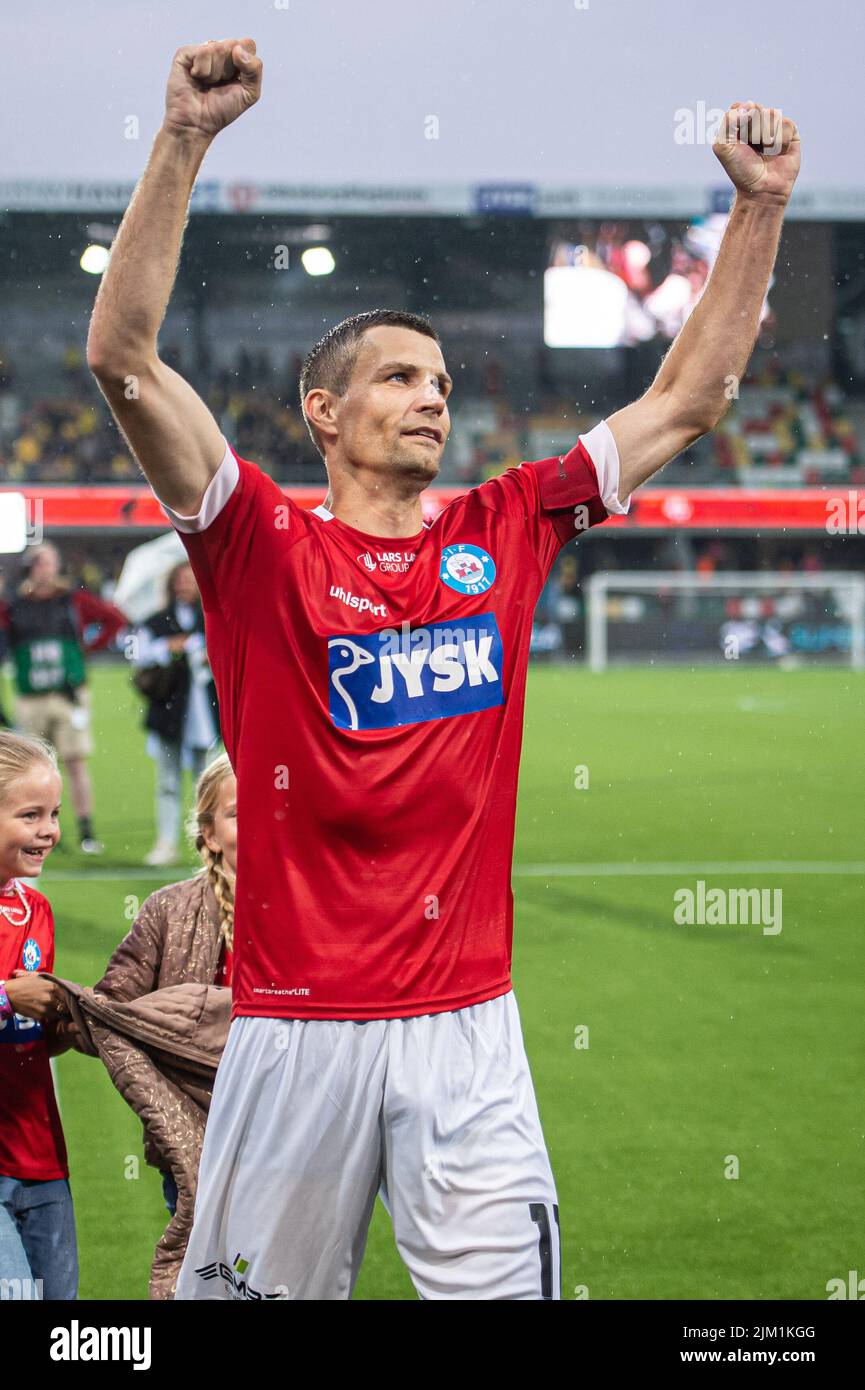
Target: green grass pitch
(704, 1041)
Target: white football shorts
(311, 1119)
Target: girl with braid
(182, 933)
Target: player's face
(30, 822)
(399, 389)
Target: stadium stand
(785, 430)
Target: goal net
(757, 617)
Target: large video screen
(625, 283)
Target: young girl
(38, 1224)
(183, 933)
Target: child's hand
(33, 996)
(62, 1036)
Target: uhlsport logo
(363, 605)
(31, 954)
(387, 678)
(234, 1279)
(467, 569)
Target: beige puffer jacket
(159, 1024)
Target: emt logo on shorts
(389, 678)
(234, 1279)
(467, 569)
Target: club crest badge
(31, 955)
(467, 569)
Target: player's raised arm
(169, 428)
(760, 151)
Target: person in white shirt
(182, 717)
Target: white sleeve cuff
(216, 494)
(601, 448)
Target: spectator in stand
(492, 377)
(182, 715)
(75, 371)
(566, 606)
(10, 404)
(243, 372)
(47, 618)
(811, 562)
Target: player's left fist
(760, 150)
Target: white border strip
(216, 494)
(852, 868)
(600, 446)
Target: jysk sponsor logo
(389, 678)
(18, 1030)
(234, 1279)
(467, 569)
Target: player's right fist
(211, 84)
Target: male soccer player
(371, 673)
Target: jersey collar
(327, 515)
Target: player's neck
(376, 515)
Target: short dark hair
(330, 364)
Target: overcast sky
(543, 90)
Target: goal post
(770, 617)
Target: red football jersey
(371, 693)
(31, 1136)
(223, 966)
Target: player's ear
(321, 407)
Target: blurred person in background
(566, 606)
(47, 618)
(182, 717)
(10, 403)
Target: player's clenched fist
(211, 84)
(759, 148)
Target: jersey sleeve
(581, 488)
(233, 536)
(558, 498)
